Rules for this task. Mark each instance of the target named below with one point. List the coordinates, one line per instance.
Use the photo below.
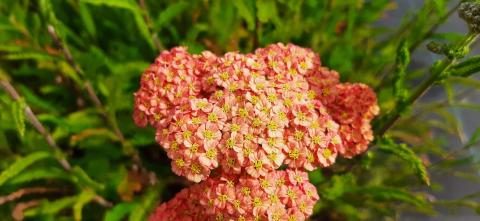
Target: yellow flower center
(247, 151)
(202, 104)
(272, 97)
(310, 157)
(194, 148)
(301, 116)
(236, 204)
(316, 140)
(264, 183)
(187, 134)
(230, 143)
(255, 99)
(327, 153)
(174, 146)
(196, 120)
(280, 182)
(274, 198)
(222, 197)
(292, 72)
(288, 102)
(218, 94)
(246, 191)
(298, 135)
(282, 116)
(336, 140)
(272, 125)
(258, 164)
(256, 122)
(235, 127)
(303, 65)
(208, 134)
(298, 178)
(294, 154)
(211, 153)
(311, 94)
(180, 162)
(272, 141)
(195, 168)
(257, 202)
(243, 112)
(210, 80)
(231, 162)
(226, 108)
(260, 86)
(224, 76)
(272, 156)
(291, 194)
(212, 117)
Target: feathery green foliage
(18, 109)
(404, 152)
(21, 164)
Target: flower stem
(110, 119)
(389, 120)
(32, 118)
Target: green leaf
(11, 48)
(18, 113)
(467, 67)
(404, 152)
(83, 179)
(84, 197)
(133, 8)
(246, 13)
(37, 102)
(87, 19)
(474, 139)
(381, 193)
(470, 82)
(339, 185)
(402, 61)
(172, 11)
(51, 207)
(21, 164)
(145, 204)
(118, 212)
(39, 173)
(267, 11)
(28, 55)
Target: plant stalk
(32, 118)
(390, 119)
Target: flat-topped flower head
(253, 112)
(243, 116)
(242, 197)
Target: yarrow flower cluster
(248, 114)
(280, 195)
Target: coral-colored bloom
(244, 116)
(230, 197)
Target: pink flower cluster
(280, 195)
(248, 114)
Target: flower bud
(470, 12)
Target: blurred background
(76, 63)
(469, 120)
